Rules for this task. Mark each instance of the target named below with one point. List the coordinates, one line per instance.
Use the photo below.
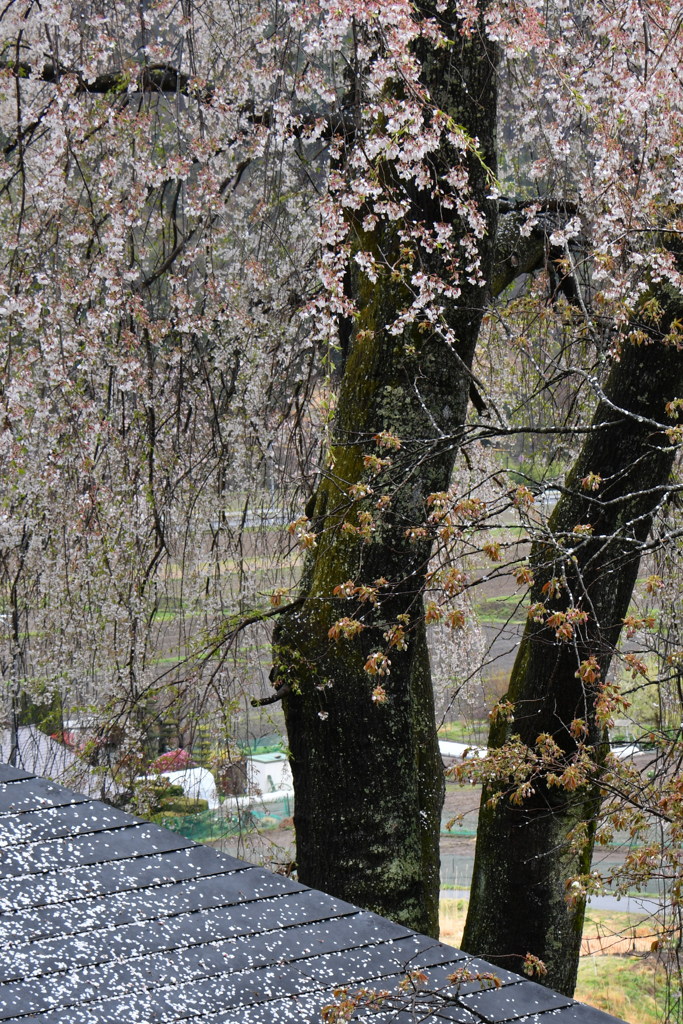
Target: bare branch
(281, 692)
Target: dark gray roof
(105, 919)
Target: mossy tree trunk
(523, 856)
(368, 776)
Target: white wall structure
(268, 773)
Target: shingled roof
(106, 919)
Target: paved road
(626, 904)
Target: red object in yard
(67, 738)
(172, 761)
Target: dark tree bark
(368, 776)
(523, 857)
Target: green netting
(273, 743)
(211, 825)
(223, 821)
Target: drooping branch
(235, 624)
(166, 79)
(161, 78)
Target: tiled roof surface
(108, 920)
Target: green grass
(502, 608)
(629, 987)
(464, 732)
(632, 987)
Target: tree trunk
(368, 776)
(523, 856)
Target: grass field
(629, 987)
(617, 973)
(460, 731)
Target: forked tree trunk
(523, 859)
(368, 777)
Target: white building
(268, 773)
